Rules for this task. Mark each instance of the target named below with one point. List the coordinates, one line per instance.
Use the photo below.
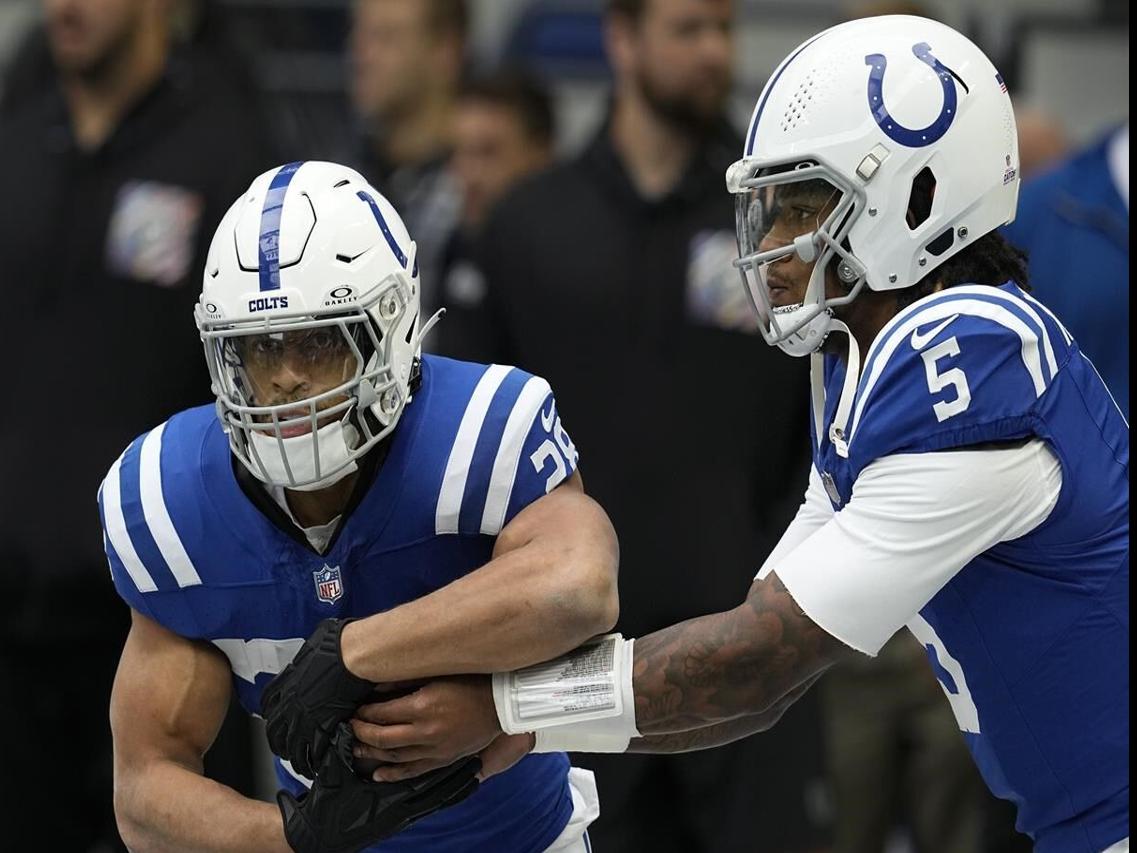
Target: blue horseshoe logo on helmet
(894, 129)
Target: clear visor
(790, 224)
(294, 372)
(284, 381)
(781, 213)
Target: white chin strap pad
(809, 338)
(332, 448)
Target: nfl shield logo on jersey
(329, 585)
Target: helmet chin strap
(810, 337)
(293, 460)
(837, 435)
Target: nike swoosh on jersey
(547, 417)
(920, 341)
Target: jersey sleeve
(965, 368)
(148, 561)
(814, 512)
(547, 456)
(914, 520)
(510, 449)
(133, 579)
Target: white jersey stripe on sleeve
(118, 534)
(157, 516)
(1024, 306)
(509, 453)
(106, 543)
(462, 453)
(1065, 332)
(1069, 342)
(940, 310)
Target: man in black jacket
(114, 170)
(611, 275)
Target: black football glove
(345, 813)
(303, 704)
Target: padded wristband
(580, 702)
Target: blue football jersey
(1030, 639)
(187, 548)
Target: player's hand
(303, 705)
(431, 727)
(344, 813)
(504, 752)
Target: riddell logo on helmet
(267, 303)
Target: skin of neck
(653, 150)
(867, 315)
(320, 506)
(98, 103)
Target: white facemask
(333, 446)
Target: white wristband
(580, 702)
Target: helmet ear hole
(920, 199)
(942, 243)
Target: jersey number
(949, 673)
(939, 381)
(558, 449)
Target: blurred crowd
(126, 126)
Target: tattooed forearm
(728, 665)
(720, 733)
(704, 738)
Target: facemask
(333, 446)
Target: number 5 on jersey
(938, 381)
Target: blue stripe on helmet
(268, 246)
(769, 90)
(378, 214)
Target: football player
(380, 515)
(970, 470)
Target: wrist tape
(580, 702)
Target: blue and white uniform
(974, 486)
(187, 548)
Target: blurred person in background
(895, 756)
(406, 59)
(112, 164)
(1042, 140)
(503, 130)
(1073, 222)
(611, 275)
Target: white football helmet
(310, 263)
(852, 119)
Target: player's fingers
(398, 710)
(385, 737)
(371, 753)
(408, 770)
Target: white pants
(1121, 846)
(585, 809)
